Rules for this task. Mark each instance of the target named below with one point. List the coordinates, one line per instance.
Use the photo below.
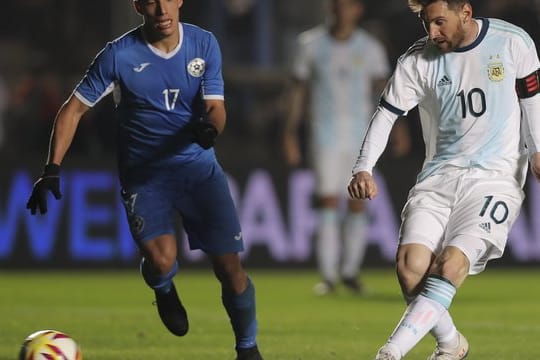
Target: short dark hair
(417, 6)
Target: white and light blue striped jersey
(341, 75)
(159, 93)
(467, 101)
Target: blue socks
(241, 310)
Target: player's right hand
(48, 181)
(362, 186)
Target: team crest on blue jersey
(495, 68)
(196, 67)
(136, 223)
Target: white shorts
(460, 207)
(332, 169)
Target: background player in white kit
(340, 65)
(479, 132)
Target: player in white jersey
(476, 84)
(340, 64)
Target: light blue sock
(241, 310)
(439, 289)
(160, 283)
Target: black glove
(48, 181)
(205, 134)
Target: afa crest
(495, 69)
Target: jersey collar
(168, 55)
(479, 38)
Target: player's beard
(457, 40)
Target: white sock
(421, 315)
(445, 331)
(328, 244)
(354, 244)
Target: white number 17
(171, 95)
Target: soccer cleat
(324, 288)
(172, 312)
(353, 285)
(385, 353)
(459, 352)
(251, 353)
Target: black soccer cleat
(172, 312)
(251, 353)
(354, 285)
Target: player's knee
(161, 262)
(161, 253)
(453, 265)
(411, 270)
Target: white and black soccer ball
(49, 345)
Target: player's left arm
(212, 123)
(528, 91)
(216, 114)
(529, 100)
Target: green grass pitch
(110, 314)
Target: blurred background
(45, 47)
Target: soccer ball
(49, 345)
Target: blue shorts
(198, 191)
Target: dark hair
(418, 6)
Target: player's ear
(137, 5)
(180, 3)
(466, 13)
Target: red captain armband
(528, 86)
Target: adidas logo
(444, 81)
(486, 227)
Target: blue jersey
(158, 94)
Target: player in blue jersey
(167, 82)
(476, 84)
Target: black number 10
(467, 102)
(493, 213)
